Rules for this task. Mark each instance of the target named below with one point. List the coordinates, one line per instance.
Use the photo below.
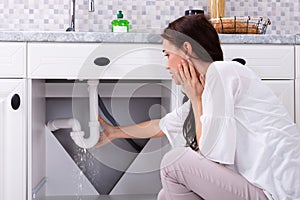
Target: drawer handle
(15, 102)
(240, 60)
(102, 61)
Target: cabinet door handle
(240, 60)
(15, 102)
(102, 61)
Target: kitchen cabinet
(297, 99)
(13, 124)
(12, 59)
(96, 61)
(274, 64)
(56, 78)
(57, 60)
(133, 81)
(297, 86)
(52, 66)
(13, 149)
(140, 61)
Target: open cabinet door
(12, 139)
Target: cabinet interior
(92, 171)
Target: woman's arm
(147, 129)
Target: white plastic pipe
(77, 135)
(93, 124)
(72, 123)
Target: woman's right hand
(192, 82)
(107, 134)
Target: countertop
(98, 37)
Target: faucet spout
(91, 6)
(72, 13)
(72, 16)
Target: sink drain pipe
(77, 134)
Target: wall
(144, 15)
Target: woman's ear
(187, 48)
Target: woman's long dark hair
(199, 32)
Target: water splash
(83, 160)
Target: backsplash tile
(144, 15)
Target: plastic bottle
(120, 24)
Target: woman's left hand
(191, 83)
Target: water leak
(83, 160)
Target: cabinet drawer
(297, 53)
(77, 61)
(268, 61)
(12, 59)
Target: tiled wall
(144, 15)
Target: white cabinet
(297, 100)
(13, 124)
(96, 61)
(13, 139)
(57, 60)
(274, 64)
(130, 62)
(297, 86)
(12, 59)
(145, 89)
(145, 61)
(297, 54)
(268, 61)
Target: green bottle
(120, 24)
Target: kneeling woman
(240, 141)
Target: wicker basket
(241, 25)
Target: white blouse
(245, 127)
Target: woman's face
(174, 56)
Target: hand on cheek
(192, 82)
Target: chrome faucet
(72, 16)
(91, 6)
(72, 13)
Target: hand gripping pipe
(77, 135)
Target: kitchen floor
(103, 197)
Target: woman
(242, 144)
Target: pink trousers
(186, 175)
